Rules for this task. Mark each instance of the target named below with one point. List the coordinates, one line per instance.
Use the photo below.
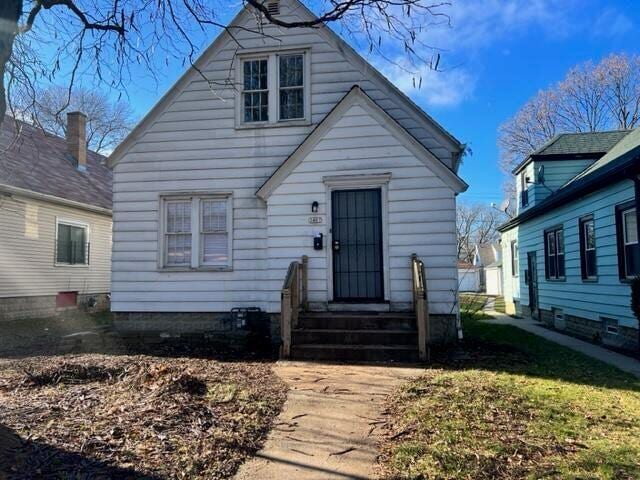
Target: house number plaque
(315, 220)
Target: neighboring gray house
(220, 190)
(572, 248)
(55, 221)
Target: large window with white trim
(72, 243)
(628, 247)
(197, 231)
(274, 88)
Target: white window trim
(196, 257)
(628, 211)
(515, 259)
(273, 66)
(87, 233)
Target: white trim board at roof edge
(334, 39)
(357, 96)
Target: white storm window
(255, 93)
(178, 233)
(274, 89)
(291, 85)
(214, 232)
(197, 232)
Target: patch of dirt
(101, 416)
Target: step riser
(354, 355)
(363, 337)
(356, 323)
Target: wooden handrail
(421, 306)
(293, 298)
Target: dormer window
(274, 89)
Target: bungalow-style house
(305, 185)
(573, 246)
(55, 221)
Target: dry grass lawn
(514, 406)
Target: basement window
(610, 325)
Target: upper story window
(291, 85)
(275, 89)
(255, 93)
(515, 260)
(524, 190)
(627, 236)
(587, 248)
(554, 253)
(197, 231)
(72, 243)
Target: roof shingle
(38, 161)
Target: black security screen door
(357, 245)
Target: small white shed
(468, 277)
(493, 279)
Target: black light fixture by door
(314, 207)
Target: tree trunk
(10, 11)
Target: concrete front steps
(357, 337)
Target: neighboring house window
(627, 233)
(197, 231)
(524, 190)
(255, 94)
(587, 248)
(72, 243)
(554, 253)
(291, 85)
(515, 260)
(274, 89)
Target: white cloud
(434, 88)
(611, 23)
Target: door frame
(359, 182)
(532, 290)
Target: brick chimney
(77, 138)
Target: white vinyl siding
(28, 245)
(195, 144)
(420, 213)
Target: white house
(55, 221)
(309, 151)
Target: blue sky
(495, 56)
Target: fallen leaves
(84, 416)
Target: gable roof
(32, 160)
(622, 161)
(357, 96)
(354, 57)
(575, 145)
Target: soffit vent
(273, 8)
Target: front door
(533, 283)
(357, 245)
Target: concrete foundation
(25, 308)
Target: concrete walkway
(330, 422)
(624, 363)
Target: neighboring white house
(55, 221)
(219, 189)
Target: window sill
(72, 265)
(209, 268)
(560, 279)
(590, 280)
(282, 123)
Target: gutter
(53, 199)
